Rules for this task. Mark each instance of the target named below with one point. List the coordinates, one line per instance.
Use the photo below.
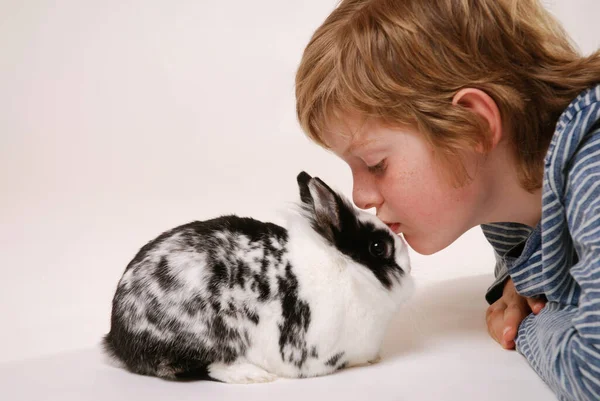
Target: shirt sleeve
(562, 343)
(494, 292)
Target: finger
(536, 304)
(513, 315)
(495, 321)
(489, 314)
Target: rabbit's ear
(303, 180)
(322, 202)
(326, 203)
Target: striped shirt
(560, 258)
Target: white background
(120, 119)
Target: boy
(457, 113)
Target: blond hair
(402, 61)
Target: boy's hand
(504, 316)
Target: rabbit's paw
(240, 372)
(375, 360)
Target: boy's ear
(482, 104)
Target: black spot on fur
(153, 311)
(138, 287)
(143, 252)
(342, 365)
(153, 316)
(163, 277)
(251, 315)
(223, 332)
(198, 373)
(242, 274)
(231, 309)
(303, 357)
(333, 361)
(218, 279)
(172, 324)
(256, 231)
(295, 320)
(272, 251)
(314, 353)
(263, 287)
(159, 319)
(264, 265)
(194, 305)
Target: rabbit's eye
(378, 248)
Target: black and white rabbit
(238, 300)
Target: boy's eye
(378, 168)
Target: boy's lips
(395, 227)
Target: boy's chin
(426, 246)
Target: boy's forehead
(349, 132)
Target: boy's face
(394, 171)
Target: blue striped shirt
(560, 258)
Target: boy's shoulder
(580, 105)
(572, 140)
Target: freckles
(404, 177)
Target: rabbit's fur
(238, 300)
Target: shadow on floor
(444, 309)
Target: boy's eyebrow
(358, 144)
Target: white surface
(121, 119)
(437, 349)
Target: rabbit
(237, 300)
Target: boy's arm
(562, 342)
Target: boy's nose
(364, 193)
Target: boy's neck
(506, 200)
